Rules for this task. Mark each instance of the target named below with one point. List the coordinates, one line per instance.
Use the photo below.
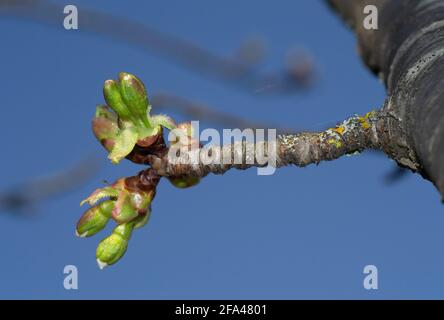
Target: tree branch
(353, 135)
(407, 52)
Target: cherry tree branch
(407, 53)
(353, 135)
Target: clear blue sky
(301, 233)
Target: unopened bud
(94, 219)
(112, 248)
(134, 95)
(114, 100)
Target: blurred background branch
(239, 70)
(21, 198)
(203, 112)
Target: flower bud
(94, 219)
(134, 96)
(112, 248)
(114, 100)
(184, 182)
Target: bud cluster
(126, 122)
(127, 205)
(123, 127)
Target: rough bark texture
(407, 52)
(353, 135)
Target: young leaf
(125, 142)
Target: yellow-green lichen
(332, 136)
(340, 129)
(336, 143)
(365, 121)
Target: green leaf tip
(124, 144)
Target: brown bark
(353, 135)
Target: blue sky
(301, 233)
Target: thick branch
(407, 51)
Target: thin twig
(20, 198)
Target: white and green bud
(112, 248)
(94, 219)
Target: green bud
(135, 97)
(184, 182)
(114, 100)
(94, 219)
(112, 248)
